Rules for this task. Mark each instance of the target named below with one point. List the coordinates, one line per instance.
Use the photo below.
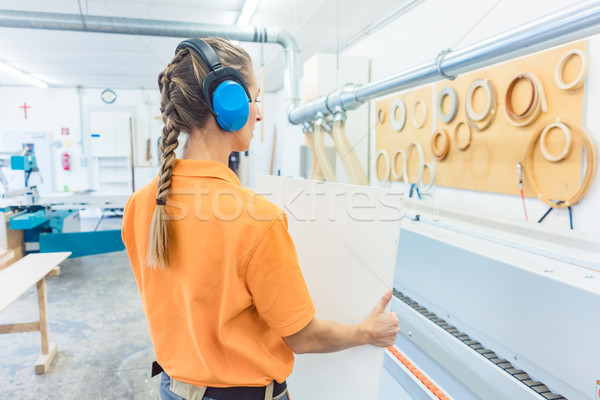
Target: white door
(110, 148)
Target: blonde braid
(158, 243)
(184, 109)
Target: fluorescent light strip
(247, 12)
(22, 75)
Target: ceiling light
(22, 75)
(247, 11)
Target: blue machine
(50, 230)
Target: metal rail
(573, 23)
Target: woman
(217, 271)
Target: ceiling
(98, 60)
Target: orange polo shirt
(233, 287)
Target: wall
(419, 35)
(56, 108)
(287, 144)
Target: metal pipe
(152, 27)
(573, 23)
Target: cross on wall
(25, 107)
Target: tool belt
(191, 392)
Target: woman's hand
(381, 329)
(324, 336)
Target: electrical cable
(551, 208)
(520, 174)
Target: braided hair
(183, 108)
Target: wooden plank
(42, 302)
(346, 238)
(22, 275)
(42, 365)
(21, 327)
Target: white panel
(23, 274)
(113, 134)
(346, 237)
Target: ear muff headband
(229, 100)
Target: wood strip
(42, 302)
(273, 150)
(42, 365)
(315, 169)
(354, 169)
(21, 327)
(321, 155)
(23, 274)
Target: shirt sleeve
(275, 280)
(127, 220)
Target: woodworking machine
(492, 310)
(52, 224)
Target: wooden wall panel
(489, 164)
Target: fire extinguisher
(65, 161)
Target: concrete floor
(96, 319)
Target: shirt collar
(206, 168)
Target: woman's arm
(324, 336)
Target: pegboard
(489, 163)
(390, 140)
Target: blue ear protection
(228, 102)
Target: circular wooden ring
(443, 153)
(422, 123)
(590, 159)
(421, 161)
(508, 100)
(491, 100)
(398, 125)
(561, 65)
(568, 138)
(456, 142)
(395, 174)
(386, 158)
(453, 95)
(380, 116)
(426, 188)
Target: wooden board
(19, 277)
(346, 237)
(489, 164)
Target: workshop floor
(96, 319)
